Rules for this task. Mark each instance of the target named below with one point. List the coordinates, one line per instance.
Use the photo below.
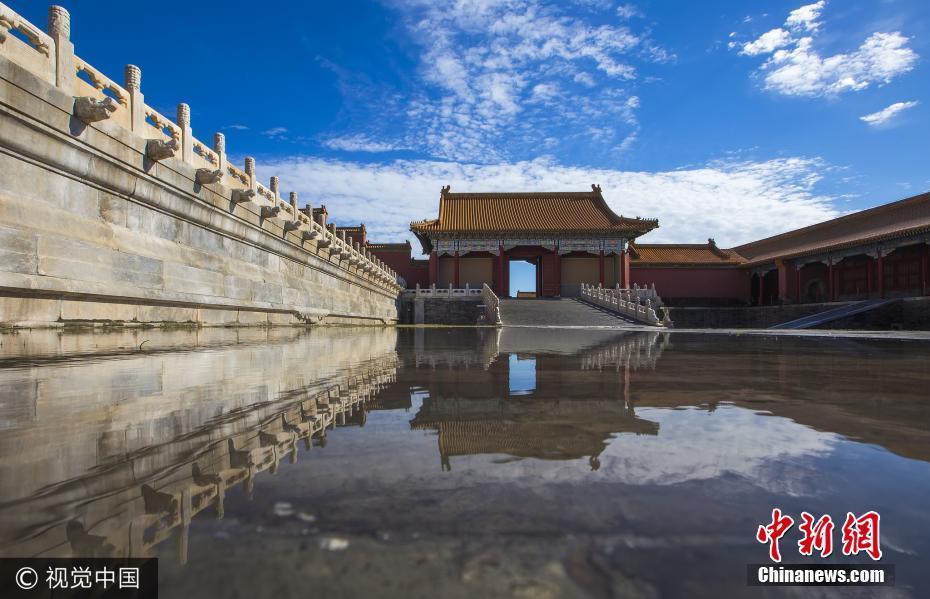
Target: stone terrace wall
(110, 211)
(744, 317)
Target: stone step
(557, 312)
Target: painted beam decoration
(448, 247)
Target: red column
(881, 275)
(505, 290)
(762, 289)
(625, 269)
(501, 274)
(785, 278)
(455, 268)
(924, 259)
(830, 296)
(557, 259)
(868, 279)
(433, 268)
(539, 276)
(600, 267)
(797, 285)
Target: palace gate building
(571, 238)
(574, 238)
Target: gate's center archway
(523, 277)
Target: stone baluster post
(274, 184)
(219, 146)
(187, 137)
(293, 198)
(133, 85)
(59, 28)
(250, 171)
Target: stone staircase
(558, 312)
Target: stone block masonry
(113, 213)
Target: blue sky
(731, 120)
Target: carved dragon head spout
(90, 110)
(207, 176)
(159, 149)
(270, 211)
(242, 195)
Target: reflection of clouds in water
(771, 452)
(692, 445)
(695, 445)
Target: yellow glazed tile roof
(529, 212)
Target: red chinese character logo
(773, 532)
(861, 534)
(817, 535)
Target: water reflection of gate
(572, 413)
(125, 507)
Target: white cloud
(802, 71)
(886, 114)
(627, 143)
(767, 43)
(496, 78)
(235, 127)
(627, 11)
(806, 17)
(796, 68)
(275, 132)
(734, 202)
(545, 92)
(584, 78)
(359, 143)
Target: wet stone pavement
(460, 462)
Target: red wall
(698, 283)
(413, 271)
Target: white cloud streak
(497, 78)
(359, 143)
(734, 202)
(767, 43)
(885, 115)
(806, 17)
(796, 68)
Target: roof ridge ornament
(445, 190)
(595, 188)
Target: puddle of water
(520, 461)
